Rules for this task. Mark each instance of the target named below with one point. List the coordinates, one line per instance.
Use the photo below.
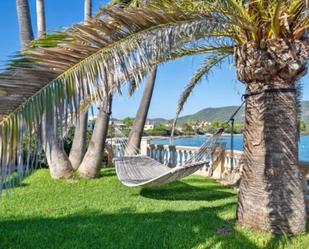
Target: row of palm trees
(268, 41)
(87, 161)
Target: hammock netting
(136, 170)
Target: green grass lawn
(43, 213)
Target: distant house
(148, 126)
(117, 123)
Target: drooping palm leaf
(92, 60)
(210, 62)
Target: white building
(117, 124)
(148, 126)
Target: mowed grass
(101, 213)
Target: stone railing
(221, 160)
(224, 164)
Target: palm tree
(41, 20)
(269, 42)
(267, 37)
(88, 10)
(78, 148)
(136, 133)
(57, 159)
(24, 22)
(91, 164)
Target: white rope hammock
(136, 170)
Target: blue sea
(238, 143)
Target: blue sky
(220, 89)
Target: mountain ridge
(221, 114)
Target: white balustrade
(177, 155)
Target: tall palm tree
(57, 159)
(24, 22)
(89, 163)
(136, 133)
(78, 148)
(269, 42)
(41, 20)
(87, 10)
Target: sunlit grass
(102, 213)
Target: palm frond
(275, 21)
(210, 62)
(88, 63)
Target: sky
(220, 89)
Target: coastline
(195, 136)
(186, 136)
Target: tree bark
(88, 10)
(137, 130)
(58, 162)
(41, 20)
(78, 149)
(271, 197)
(57, 159)
(91, 164)
(24, 22)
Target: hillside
(224, 113)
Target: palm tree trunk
(136, 133)
(58, 161)
(88, 10)
(59, 164)
(41, 20)
(24, 22)
(78, 149)
(271, 197)
(91, 164)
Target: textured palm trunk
(41, 20)
(136, 133)
(91, 164)
(78, 149)
(271, 197)
(58, 162)
(24, 22)
(88, 10)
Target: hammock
(135, 170)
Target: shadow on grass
(122, 230)
(107, 172)
(15, 181)
(127, 229)
(167, 229)
(183, 191)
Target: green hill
(224, 113)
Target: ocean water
(238, 143)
